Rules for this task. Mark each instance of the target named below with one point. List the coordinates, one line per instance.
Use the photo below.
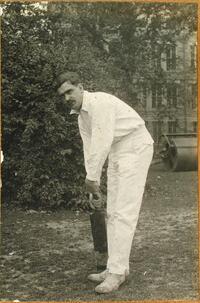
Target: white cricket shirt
(103, 120)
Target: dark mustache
(68, 102)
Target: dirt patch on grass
(47, 256)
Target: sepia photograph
(99, 151)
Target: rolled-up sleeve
(102, 133)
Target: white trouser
(129, 161)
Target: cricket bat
(99, 234)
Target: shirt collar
(85, 104)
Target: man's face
(73, 94)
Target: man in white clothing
(111, 128)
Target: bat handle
(98, 201)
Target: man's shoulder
(99, 94)
(102, 97)
(107, 98)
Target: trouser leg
(112, 187)
(123, 211)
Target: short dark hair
(73, 77)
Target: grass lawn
(46, 256)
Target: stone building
(169, 104)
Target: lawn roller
(179, 152)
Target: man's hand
(92, 187)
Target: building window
(157, 94)
(157, 130)
(195, 126)
(144, 95)
(172, 95)
(172, 125)
(156, 54)
(193, 57)
(194, 95)
(171, 57)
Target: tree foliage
(43, 164)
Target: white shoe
(98, 277)
(111, 283)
